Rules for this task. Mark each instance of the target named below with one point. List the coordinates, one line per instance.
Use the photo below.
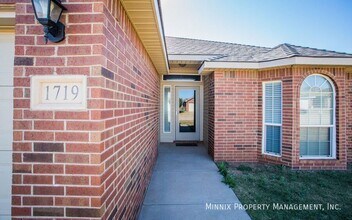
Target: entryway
(181, 111)
(184, 184)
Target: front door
(187, 113)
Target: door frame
(194, 136)
(169, 137)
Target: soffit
(146, 18)
(7, 17)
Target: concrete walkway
(185, 180)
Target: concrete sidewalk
(185, 180)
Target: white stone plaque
(66, 92)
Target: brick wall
(208, 114)
(131, 116)
(235, 116)
(94, 163)
(349, 116)
(238, 116)
(7, 1)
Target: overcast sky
(324, 24)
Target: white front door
(187, 113)
(7, 48)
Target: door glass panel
(187, 110)
(167, 109)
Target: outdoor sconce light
(48, 13)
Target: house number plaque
(59, 92)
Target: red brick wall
(208, 114)
(349, 116)
(7, 1)
(94, 163)
(131, 116)
(238, 116)
(235, 116)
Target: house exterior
(88, 151)
(189, 105)
(286, 105)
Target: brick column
(208, 122)
(349, 116)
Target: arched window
(317, 120)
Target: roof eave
(296, 60)
(7, 17)
(152, 37)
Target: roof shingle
(221, 51)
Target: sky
(186, 94)
(323, 24)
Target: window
(272, 113)
(167, 109)
(317, 118)
(196, 78)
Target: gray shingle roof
(220, 51)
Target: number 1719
(62, 92)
